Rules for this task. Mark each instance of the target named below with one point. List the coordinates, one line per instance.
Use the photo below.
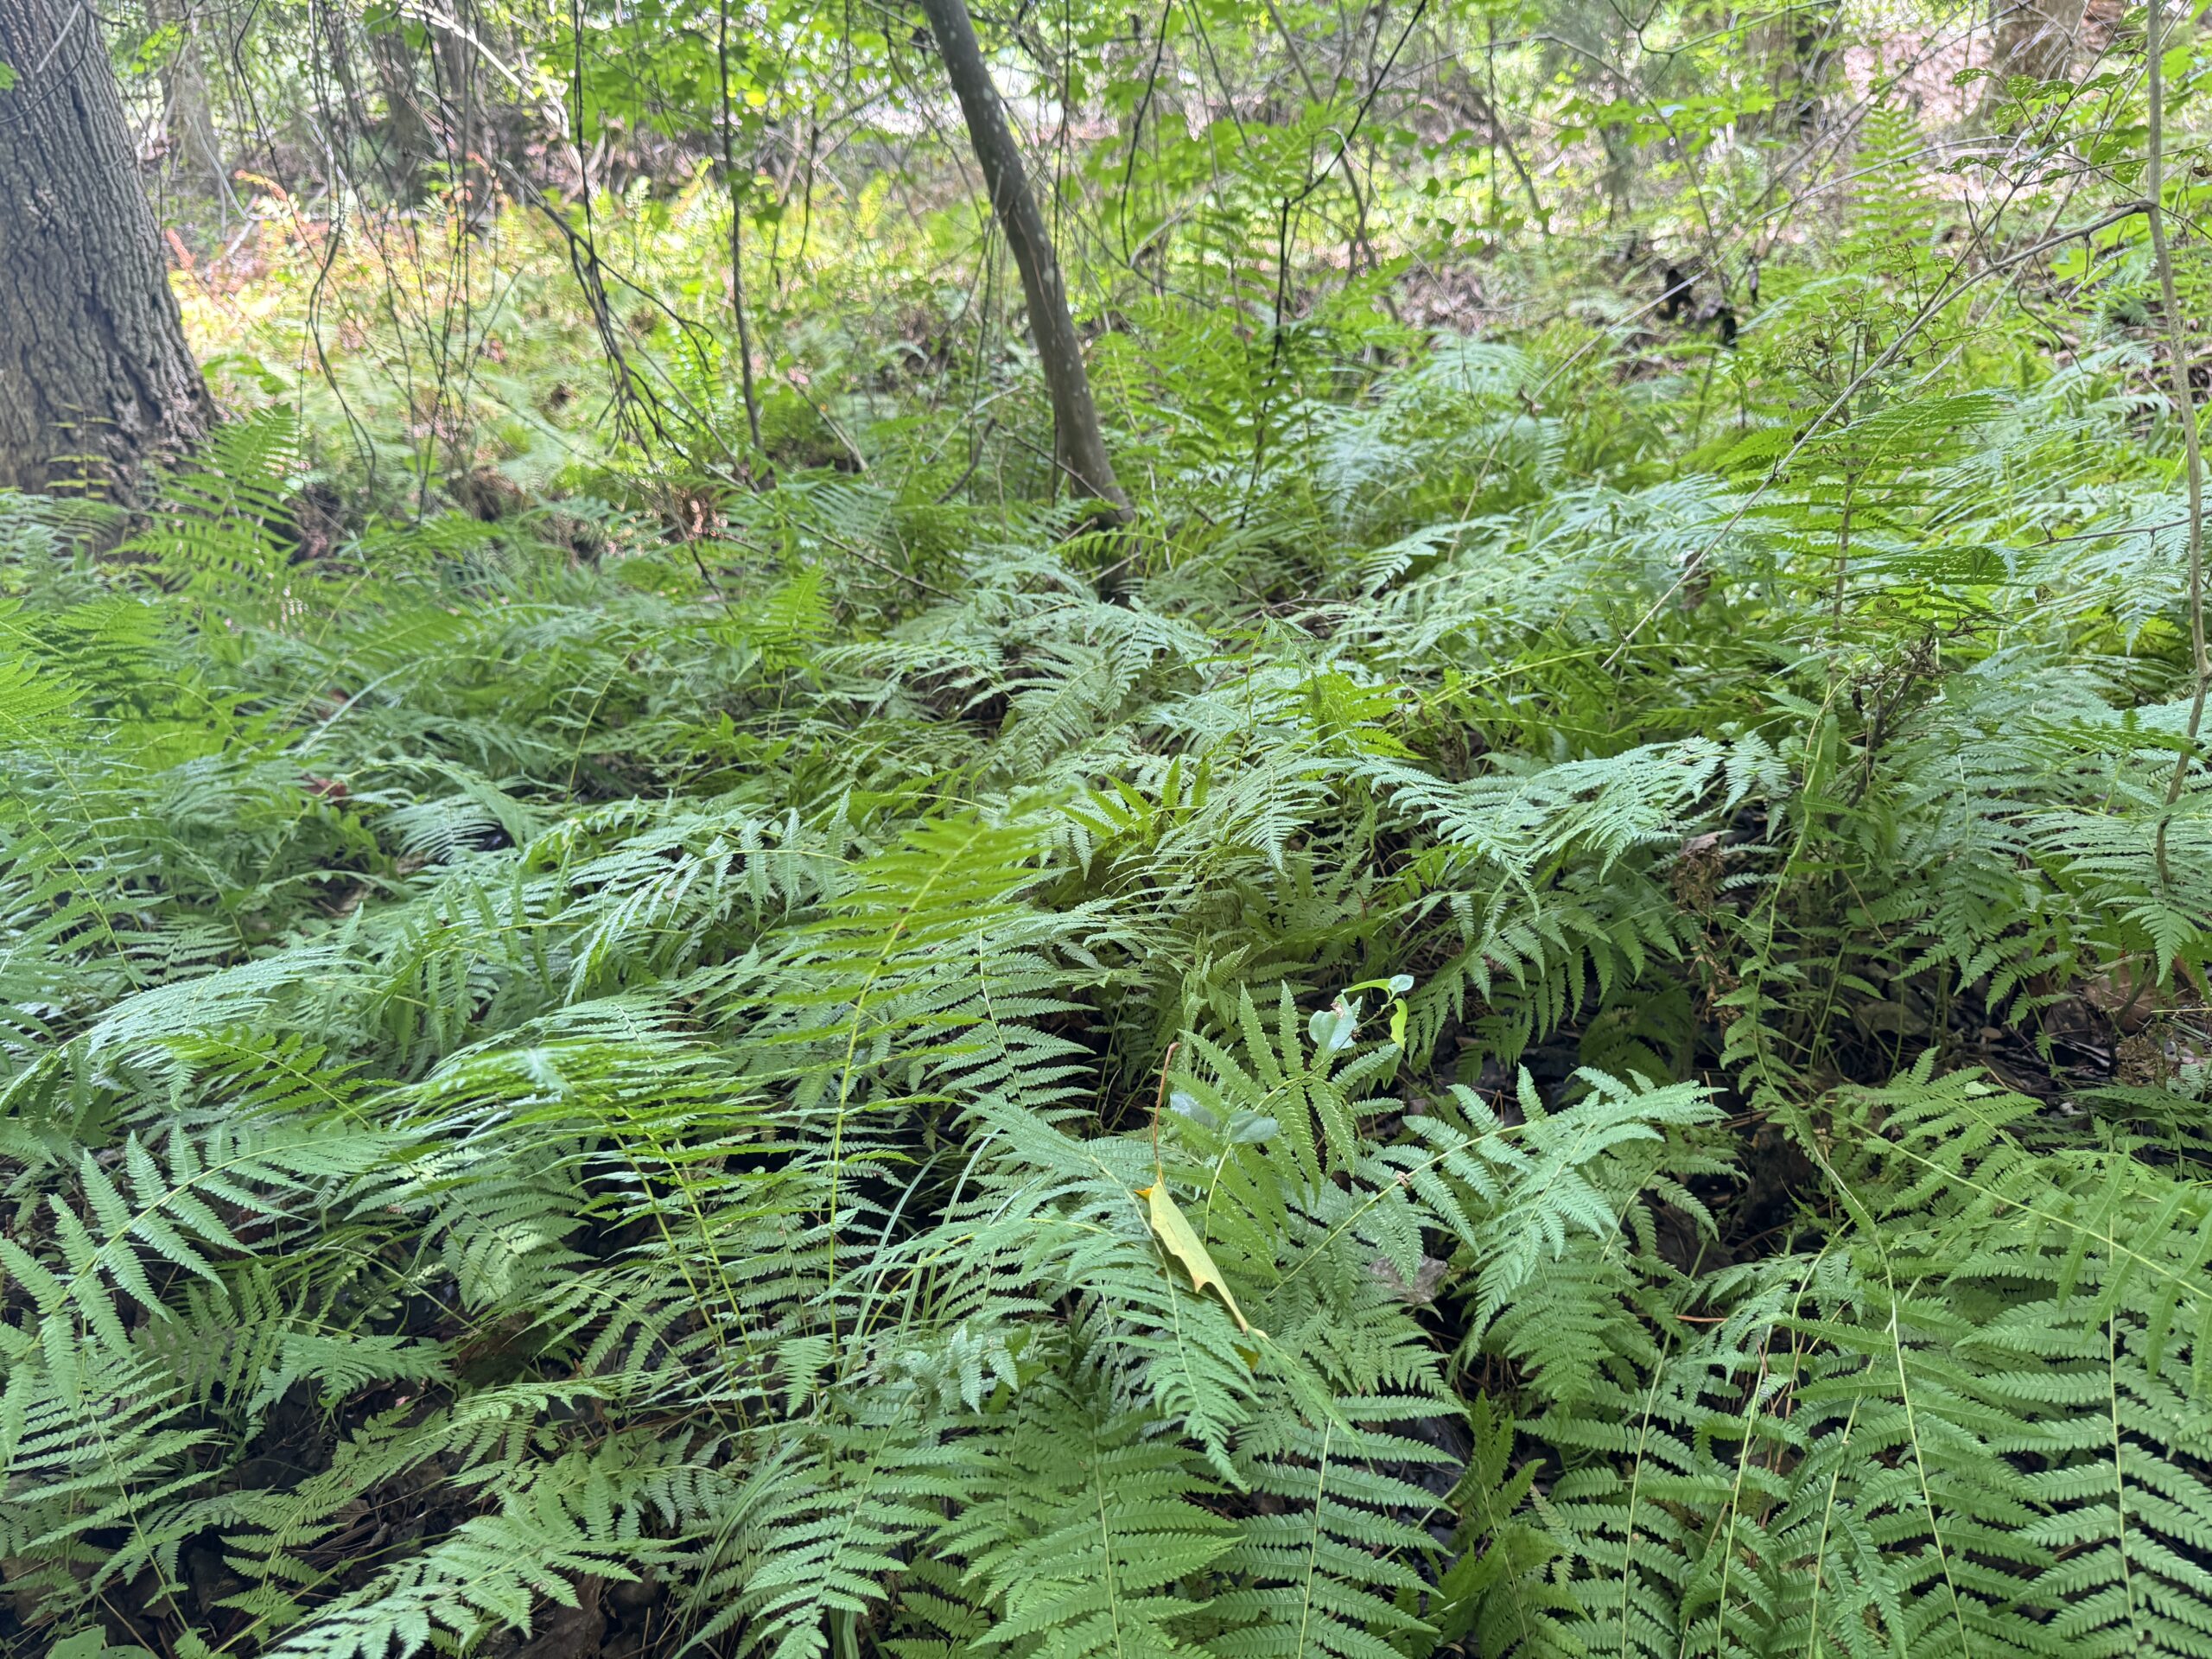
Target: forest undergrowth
(1546, 1013)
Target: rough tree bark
(1079, 445)
(195, 151)
(2035, 38)
(405, 151)
(95, 378)
(460, 97)
(1798, 45)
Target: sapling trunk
(2185, 404)
(1079, 448)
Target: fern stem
(1843, 552)
(1158, 1172)
(2185, 402)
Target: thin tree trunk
(1797, 45)
(406, 138)
(1079, 445)
(1812, 48)
(736, 237)
(2034, 38)
(1360, 245)
(454, 68)
(2154, 187)
(96, 380)
(196, 152)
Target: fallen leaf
(1183, 1243)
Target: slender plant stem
(2185, 402)
(736, 238)
(1159, 1170)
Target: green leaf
(1183, 1243)
(1332, 1028)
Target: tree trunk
(459, 89)
(95, 378)
(405, 151)
(1078, 446)
(1798, 46)
(2035, 38)
(194, 150)
(1815, 33)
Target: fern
(1568, 1027)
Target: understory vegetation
(1552, 1005)
(1545, 1075)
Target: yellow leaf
(1183, 1243)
